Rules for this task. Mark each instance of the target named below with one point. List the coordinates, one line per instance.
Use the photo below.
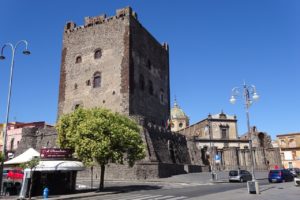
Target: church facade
(219, 145)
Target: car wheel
(241, 180)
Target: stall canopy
(24, 157)
(58, 165)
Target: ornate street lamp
(250, 95)
(2, 57)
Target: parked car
(280, 175)
(294, 171)
(15, 174)
(239, 175)
(297, 181)
(11, 188)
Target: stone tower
(115, 63)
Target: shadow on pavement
(120, 189)
(130, 188)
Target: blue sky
(215, 45)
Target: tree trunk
(101, 186)
(92, 176)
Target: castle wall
(273, 158)
(263, 159)
(150, 60)
(167, 154)
(37, 138)
(230, 158)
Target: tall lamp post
(212, 148)
(249, 94)
(2, 57)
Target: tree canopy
(100, 135)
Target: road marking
(163, 197)
(123, 196)
(148, 196)
(177, 198)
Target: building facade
(289, 145)
(15, 132)
(216, 137)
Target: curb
(76, 196)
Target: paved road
(168, 191)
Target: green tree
(100, 135)
(31, 165)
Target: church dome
(177, 112)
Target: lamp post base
(253, 187)
(214, 176)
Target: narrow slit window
(97, 80)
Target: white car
(297, 181)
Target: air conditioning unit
(10, 155)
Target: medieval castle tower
(115, 63)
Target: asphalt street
(168, 191)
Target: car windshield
(274, 172)
(233, 173)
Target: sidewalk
(286, 191)
(205, 177)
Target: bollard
(45, 193)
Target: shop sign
(55, 153)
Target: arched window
(142, 82)
(150, 87)
(97, 80)
(98, 53)
(180, 125)
(78, 59)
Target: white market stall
(28, 155)
(57, 174)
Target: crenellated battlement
(92, 21)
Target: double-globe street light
(250, 95)
(2, 57)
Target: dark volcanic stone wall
(37, 138)
(150, 60)
(169, 147)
